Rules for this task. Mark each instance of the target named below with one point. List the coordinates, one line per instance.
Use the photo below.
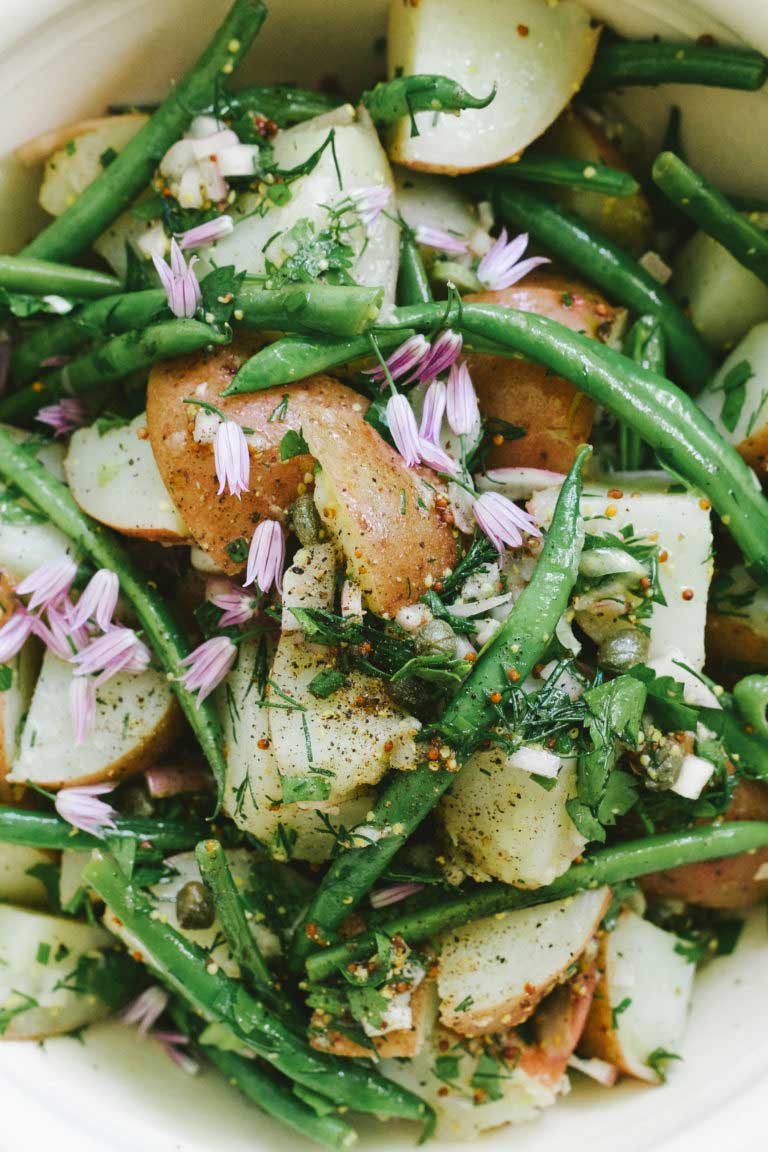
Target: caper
(436, 636)
(409, 693)
(666, 762)
(623, 650)
(305, 520)
(194, 907)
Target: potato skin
(367, 483)
(727, 883)
(555, 416)
(734, 642)
(755, 451)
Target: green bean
(314, 308)
(282, 103)
(645, 345)
(44, 830)
(612, 865)
(275, 1097)
(294, 358)
(120, 183)
(620, 64)
(665, 418)
(391, 100)
(410, 796)
(604, 264)
(186, 968)
(166, 637)
(564, 170)
(218, 879)
(108, 362)
(412, 281)
(43, 278)
(751, 698)
(713, 213)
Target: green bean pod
(623, 280)
(391, 100)
(36, 277)
(564, 171)
(413, 285)
(624, 63)
(751, 698)
(186, 969)
(713, 213)
(613, 865)
(281, 103)
(412, 795)
(45, 830)
(130, 172)
(102, 546)
(645, 345)
(116, 358)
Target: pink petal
(432, 412)
(502, 521)
(266, 557)
(48, 583)
(208, 665)
(403, 428)
(443, 353)
(81, 808)
(14, 634)
(231, 457)
(98, 600)
(82, 702)
(208, 233)
(385, 897)
(407, 357)
(461, 401)
(436, 458)
(439, 238)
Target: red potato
(558, 1025)
(555, 416)
(728, 883)
(362, 488)
(399, 1044)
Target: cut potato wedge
(100, 132)
(114, 478)
(641, 1004)
(536, 53)
(679, 523)
(737, 627)
(556, 417)
(258, 238)
(735, 882)
(736, 400)
(27, 537)
(507, 965)
(18, 884)
(360, 491)
(399, 1044)
(253, 788)
(430, 201)
(38, 952)
(506, 826)
(14, 700)
(136, 721)
(723, 297)
(627, 220)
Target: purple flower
(384, 897)
(230, 453)
(82, 703)
(370, 201)
(439, 238)
(49, 583)
(208, 665)
(81, 808)
(463, 410)
(98, 601)
(238, 606)
(266, 557)
(63, 417)
(15, 633)
(432, 412)
(118, 650)
(443, 353)
(436, 458)
(403, 428)
(502, 521)
(172, 1043)
(180, 282)
(501, 267)
(146, 1009)
(402, 362)
(208, 233)
(58, 633)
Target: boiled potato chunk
(37, 952)
(650, 982)
(114, 478)
(506, 826)
(507, 965)
(735, 882)
(401, 1043)
(17, 884)
(556, 417)
(737, 626)
(252, 787)
(260, 238)
(78, 161)
(723, 297)
(27, 537)
(736, 399)
(136, 722)
(360, 493)
(679, 523)
(535, 52)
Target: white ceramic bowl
(61, 59)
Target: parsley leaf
(293, 444)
